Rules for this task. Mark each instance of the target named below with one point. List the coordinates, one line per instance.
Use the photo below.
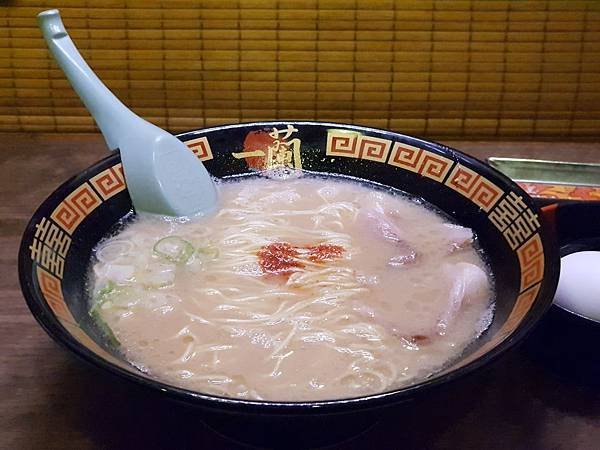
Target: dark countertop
(51, 400)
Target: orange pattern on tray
(561, 191)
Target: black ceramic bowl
(519, 239)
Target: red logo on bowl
(271, 149)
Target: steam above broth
(299, 289)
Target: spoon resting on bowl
(163, 176)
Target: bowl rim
(58, 333)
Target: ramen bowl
(521, 242)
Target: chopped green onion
(104, 328)
(174, 249)
(104, 295)
(208, 252)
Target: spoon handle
(113, 118)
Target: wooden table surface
(48, 399)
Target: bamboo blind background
(437, 68)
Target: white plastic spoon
(163, 175)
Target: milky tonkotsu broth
(297, 289)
